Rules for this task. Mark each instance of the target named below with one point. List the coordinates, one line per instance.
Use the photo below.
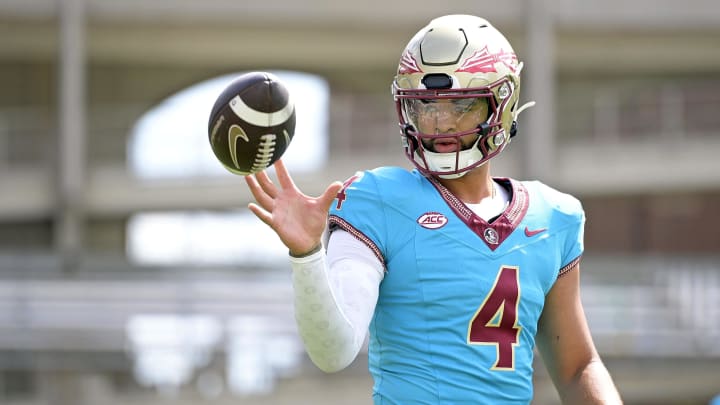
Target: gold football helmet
(456, 91)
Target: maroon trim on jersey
(570, 266)
(493, 234)
(337, 222)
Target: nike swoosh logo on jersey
(534, 232)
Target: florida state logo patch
(491, 236)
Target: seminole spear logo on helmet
(481, 61)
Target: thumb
(329, 195)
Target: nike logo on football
(534, 232)
(234, 133)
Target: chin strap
(523, 108)
(513, 127)
(526, 105)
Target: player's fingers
(264, 216)
(263, 199)
(286, 182)
(267, 185)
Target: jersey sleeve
(567, 220)
(373, 207)
(574, 246)
(358, 210)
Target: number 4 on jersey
(495, 322)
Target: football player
(457, 275)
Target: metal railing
(637, 310)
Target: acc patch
(432, 220)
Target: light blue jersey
(461, 298)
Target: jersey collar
(495, 232)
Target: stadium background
(627, 119)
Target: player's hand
(298, 219)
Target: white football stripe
(259, 118)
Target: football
(251, 123)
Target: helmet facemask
(448, 132)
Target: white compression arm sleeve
(335, 298)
